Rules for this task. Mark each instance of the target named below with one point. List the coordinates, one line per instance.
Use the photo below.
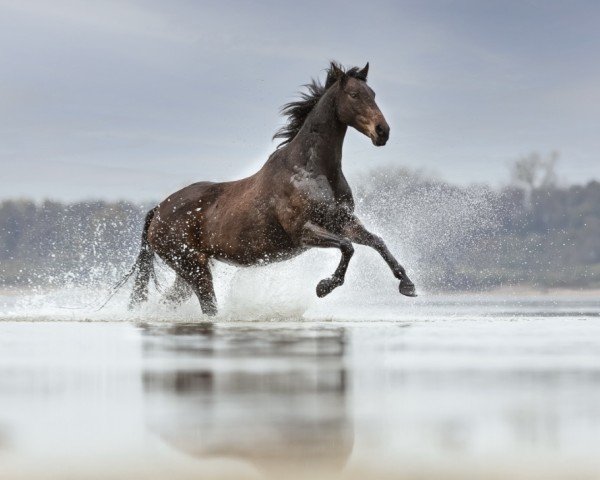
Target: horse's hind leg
(316, 236)
(195, 271)
(205, 291)
(357, 233)
(179, 292)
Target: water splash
(427, 224)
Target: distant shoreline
(528, 290)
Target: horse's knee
(377, 242)
(346, 247)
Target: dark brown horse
(299, 199)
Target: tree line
(531, 232)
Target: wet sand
(471, 388)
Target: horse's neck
(321, 139)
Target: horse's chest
(314, 190)
(315, 198)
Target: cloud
(191, 90)
(108, 17)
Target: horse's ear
(336, 70)
(362, 74)
(335, 73)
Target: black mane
(298, 111)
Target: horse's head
(355, 103)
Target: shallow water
(439, 387)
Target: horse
(299, 199)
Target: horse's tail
(143, 266)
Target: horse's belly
(252, 258)
(256, 249)
(245, 241)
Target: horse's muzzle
(382, 134)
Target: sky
(134, 99)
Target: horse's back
(179, 216)
(231, 221)
(199, 192)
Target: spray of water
(426, 223)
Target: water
(439, 387)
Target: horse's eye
(353, 94)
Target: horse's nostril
(380, 130)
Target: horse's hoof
(326, 286)
(209, 310)
(407, 289)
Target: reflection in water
(464, 396)
(271, 396)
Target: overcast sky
(133, 99)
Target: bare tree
(534, 171)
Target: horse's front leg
(357, 233)
(316, 236)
